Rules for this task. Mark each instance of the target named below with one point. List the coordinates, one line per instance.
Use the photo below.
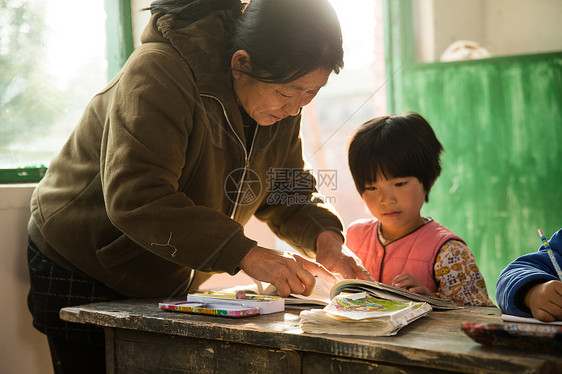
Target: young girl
(394, 161)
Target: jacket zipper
(247, 155)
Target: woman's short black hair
(395, 146)
(286, 39)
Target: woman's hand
(288, 272)
(408, 282)
(338, 259)
(545, 301)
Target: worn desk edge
(146, 316)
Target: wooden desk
(140, 338)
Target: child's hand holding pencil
(544, 300)
(550, 254)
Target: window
(355, 95)
(53, 59)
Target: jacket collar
(203, 46)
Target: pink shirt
(413, 254)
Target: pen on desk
(550, 254)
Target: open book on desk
(323, 294)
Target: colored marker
(550, 254)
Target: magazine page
(320, 296)
(361, 306)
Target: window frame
(119, 34)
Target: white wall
(503, 27)
(22, 348)
(522, 26)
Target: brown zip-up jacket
(148, 186)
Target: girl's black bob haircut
(395, 146)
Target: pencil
(550, 254)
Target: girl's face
(396, 203)
(268, 103)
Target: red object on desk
(515, 335)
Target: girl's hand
(408, 282)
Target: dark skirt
(54, 287)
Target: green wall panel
(119, 28)
(500, 122)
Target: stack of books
(361, 314)
(226, 304)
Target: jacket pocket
(118, 252)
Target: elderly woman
(176, 154)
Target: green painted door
(500, 122)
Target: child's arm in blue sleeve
(524, 272)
